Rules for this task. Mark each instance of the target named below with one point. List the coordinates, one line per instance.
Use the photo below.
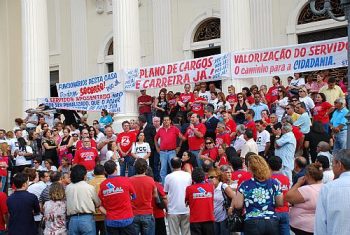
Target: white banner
(113, 102)
(204, 69)
(101, 84)
(290, 59)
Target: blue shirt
(22, 207)
(259, 197)
(287, 145)
(339, 118)
(333, 207)
(258, 108)
(304, 123)
(106, 120)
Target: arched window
(109, 57)
(208, 30)
(306, 15)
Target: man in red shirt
(222, 137)
(115, 195)
(197, 103)
(250, 124)
(86, 156)
(145, 102)
(275, 164)
(125, 140)
(85, 133)
(167, 149)
(195, 136)
(185, 98)
(230, 124)
(239, 174)
(146, 193)
(200, 198)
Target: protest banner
(101, 84)
(112, 102)
(290, 59)
(204, 69)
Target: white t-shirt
(53, 168)
(21, 160)
(328, 176)
(109, 155)
(214, 103)
(99, 136)
(175, 185)
(309, 103)
(141, 150)
(49, 119)
(262, 139)
(279, 109)
(206, 95)
(37, 189)
(297, 82)
(13, 145)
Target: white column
(261, 23)
(79, 39)
(35, 39)
(126, 36)
(235, 31)
(162, 31)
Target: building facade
(43, 42)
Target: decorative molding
(208, 30)
(189, 44)
(100, 6)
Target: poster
(290, 59)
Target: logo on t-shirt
(112, 189)
(202, 193)
(125, 140)
(87, 156)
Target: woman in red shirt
(222, 157)
(322, 110)
(208, 152)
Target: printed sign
(204, 69)
(102, 84)
(290, 59)
(113, 102)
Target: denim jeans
(128, 161)
(199, 161)
(340, 141)
(283, 220)
(220, 228)
(165, 158)
(144, 224)
(3, 233)
(82, 224)
(261, 226)
(148, 118)
(128, 230)
(3, 183)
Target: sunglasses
(301, 91)
(36, 162)
(211, 177)
(294, 100)
(287, 108)
(208, 142)
(94, 123)
(240, 97)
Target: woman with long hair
(65, 147)
(281, 102)
(189, 161)
(221, 158)
(303, 196)
(49, 165)
(161, 105)
(141, 149)
(223, 200)
(239, 109)
(208, 152)
(50, 147)
(259, 196)
(248, 95)
(112, 153)
(55, 211)
(23, 155)
(322, 110)
(222, 101)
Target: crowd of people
(200, 161)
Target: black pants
(300, 232)
(202, 228)
(261, 227)
(160, 226)
(128, 230)
(100, 227)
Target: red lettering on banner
(92, 89)
(327, 48)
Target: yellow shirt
(96, 182)
(332, 94)
(295, 116)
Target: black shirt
(22, 207)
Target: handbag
(235, 222)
